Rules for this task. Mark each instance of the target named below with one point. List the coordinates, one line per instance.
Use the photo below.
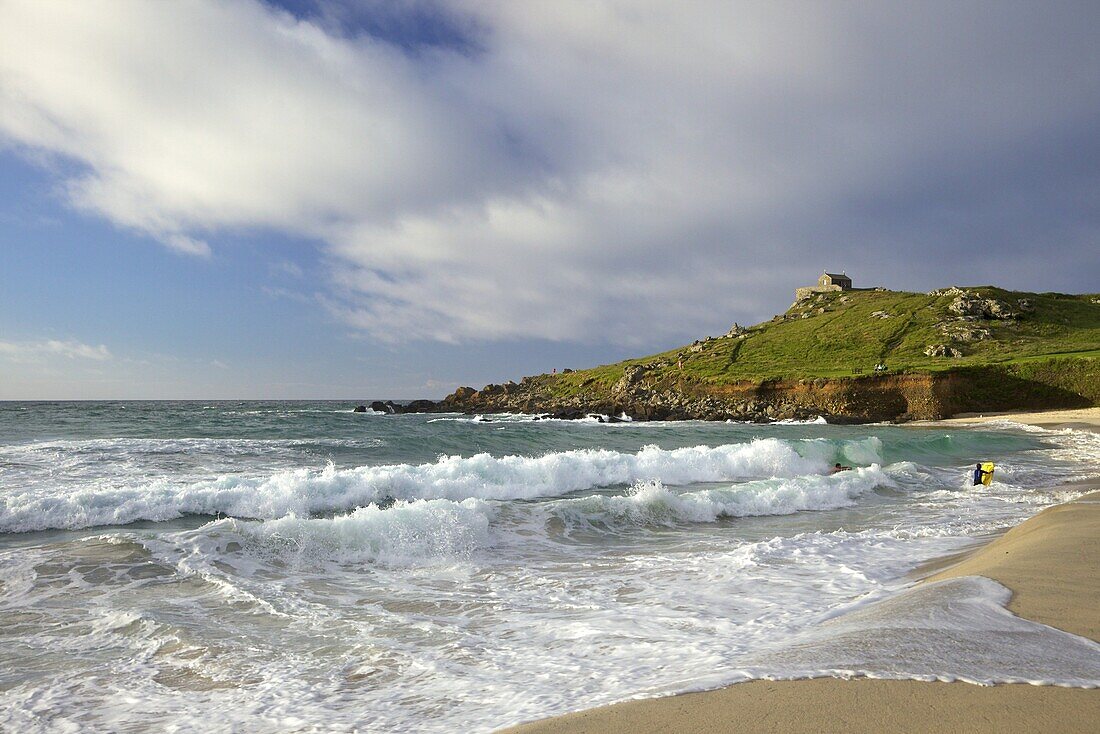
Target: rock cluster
(952, 291)
(389, 407)
(942, 350)
(648, 392)
(964, 331)
(736, 331)
(968, 304)
(968, 311)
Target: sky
(359, 200)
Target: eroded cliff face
(646, 393)
(881, 398)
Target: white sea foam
(451, 608)
(303, 492)
(127, 446)
(651, 502)
(421, 532)
(406, 533)
(591, 418)
(818, 421)
(953, 630)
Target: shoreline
(1050, 562)
(1082, 419)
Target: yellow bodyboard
(987, 477)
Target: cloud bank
(579, 171)
(46, 349)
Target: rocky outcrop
(388, 407)
(645, 392)
(642, 394)
(969, 304)
(942, 350)
(952, 291)
(963, 331)
(971, 314)
(736, 331)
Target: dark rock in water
(420, 406)
(360, 409)
(569, 414)
(379, 407)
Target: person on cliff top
(979, 474)
(838, 467)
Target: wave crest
(402, 534)
(652, 503)
(304, 492)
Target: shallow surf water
(299, 567)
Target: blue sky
(388, 199)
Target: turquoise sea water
(295, 566)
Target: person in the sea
(838, 467)
(979, 474)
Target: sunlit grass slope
(845, 333)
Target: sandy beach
(1051, 563)
(1082, 418)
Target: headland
(850, 355)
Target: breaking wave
(402, 534)
(425, 531)
(305, 492)
(652, 503)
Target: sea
(299, 567)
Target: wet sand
(1050, 562)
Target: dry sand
(1052, 564)
(1082, 418)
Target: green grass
(838, 337)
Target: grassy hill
(844, 334)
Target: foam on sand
(953, 630)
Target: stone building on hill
(834, 282)
(828, 282)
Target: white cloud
(600, 170)
(186, 245)
(37, 351)
(286, 268)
